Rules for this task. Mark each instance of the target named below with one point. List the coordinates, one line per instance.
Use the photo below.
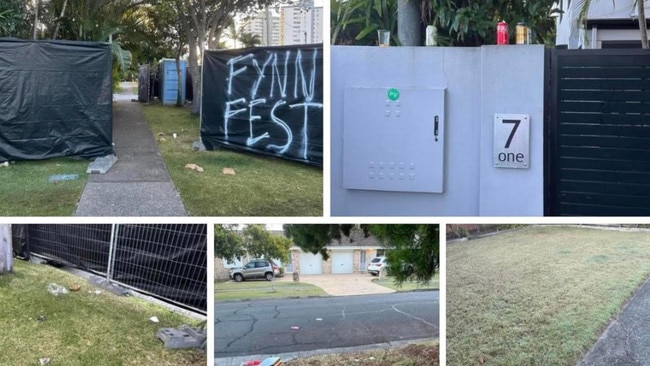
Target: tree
(259, 242)
(13, 19)
(250, 40)
(228, 243)
(459, 23)
(206, 20)
(313, 238)
(232, 242)
(412, 250)
(357, 21)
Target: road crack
(414, 317)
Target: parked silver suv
(257, 268)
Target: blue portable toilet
(169, 80)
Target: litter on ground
(62, 177)
(194, 167)
(56, 290)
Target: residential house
(609, 24)
(350, 255)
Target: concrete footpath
(139, 183)
(345, 284)
(626, 341)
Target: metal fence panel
(81, 246)
(168, 261)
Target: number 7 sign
(511, 141)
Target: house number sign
(511, 141)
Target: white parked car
(376, 265)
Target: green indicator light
(393, 94)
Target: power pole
(6, 251)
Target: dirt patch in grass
(81, 328)
(260, 186)
(411, 355)
(538, 296)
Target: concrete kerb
(618, 346)
(238, 361)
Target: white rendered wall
(510, 81)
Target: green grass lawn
(260, 187)
(408, 286)
(247, 290)
(540, 295)
(25, 189)
(80, 328)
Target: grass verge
(260, 187)
(540, 295)
(80, 328)
(408, 286)
(25, 189)
(248, 290)
(411, 355)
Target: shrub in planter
(281, 272)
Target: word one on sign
(511, 141)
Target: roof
(356, 239)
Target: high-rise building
(257, 25)
(301, 23)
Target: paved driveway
(344, 284)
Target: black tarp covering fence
(55, 99)
(168, 261)
(266, 100)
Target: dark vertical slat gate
(599, 141)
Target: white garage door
(342, 261)
(311, 264)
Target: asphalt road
(269, 326)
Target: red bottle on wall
(502, 32)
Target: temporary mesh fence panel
(82, 246)
(168, 261)
(265, 100)
(55, 99)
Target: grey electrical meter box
(393, 139)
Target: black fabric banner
(55, 99)
(266, 100)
